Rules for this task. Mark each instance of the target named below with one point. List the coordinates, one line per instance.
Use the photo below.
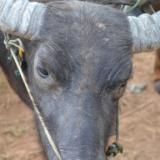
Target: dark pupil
(42, 72)
(123, 85)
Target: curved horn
(21, 17)
(145, 32)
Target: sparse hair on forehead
(75, 31)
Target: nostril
(42, 72)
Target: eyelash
(42, 72)
(118, 92)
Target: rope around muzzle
(115, 148)
(12, 45)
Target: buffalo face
(78, 72)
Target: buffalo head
(79, 61)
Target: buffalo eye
(118, 92)
(45, 78)
(42, 72)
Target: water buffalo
(78, 58)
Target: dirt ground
(139, 125)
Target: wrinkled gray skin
(77, 72)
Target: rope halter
(12, 46)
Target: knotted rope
(12, 45)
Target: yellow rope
(10, 44)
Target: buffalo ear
(117, 2)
